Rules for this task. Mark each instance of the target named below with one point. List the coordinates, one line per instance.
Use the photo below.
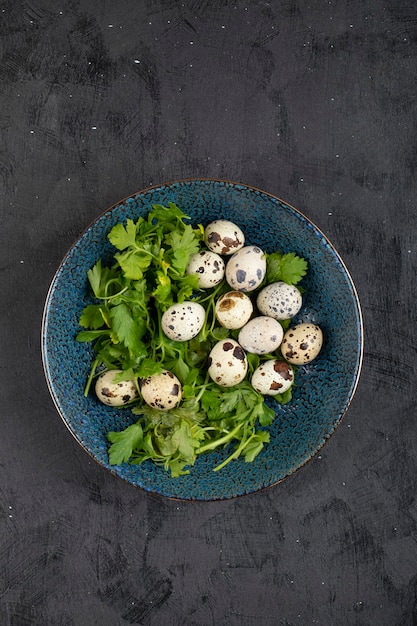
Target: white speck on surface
(223, 26)
(68, 178)
(137, 61)
(191, 43)
(330, 213)
(337, 156)
(111, 26)
(10, 506)
(344, 484)
(302, 180)
(94, 128)
(32, 132)
(409, 251)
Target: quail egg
(161, 391)
(114, 393)
(182, 322)
(246, 269)
(272, 377)
(224, 237)
(279, 300)
(227, 363)
(261, 335)
(302, 343)
(233, 309)
(208, 266)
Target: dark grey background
(312, 101)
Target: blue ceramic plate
(324, 388)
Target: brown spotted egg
(182, 322)
(246, 269)
(302, 343)
(279, 300)
(224, 237)
(272, 377)
(161, 391)
(115, 393)
(227, 363)
(261, 335)
(233, 309)
(208, 266)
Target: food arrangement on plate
(191, 329)
(112, 329)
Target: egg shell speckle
(227, 363)
(161, 391)
(233, 309)
(302, 343)
(272, 377)
(114, 393)
(208, 266)
(279, 300)
(246, 269)
(224, 237)
(182, 322)
(261, 335)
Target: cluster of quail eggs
(244, 268)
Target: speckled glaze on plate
(324, 388)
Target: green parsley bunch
(124, 323)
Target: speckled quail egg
(302, 343)
(182, 322)
(233, 309)
(227, 363)
(224, 237)
(208, 266)
(279, 300)
(245, 270)
(272, 377)
(261, 335)
(161, 391)
(115, 393)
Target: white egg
(224, 237)
(246, 269)
(208, 266)
(115, 393)
(233, 309)
(161, 391)
(261, 335)
(182, 322)
(272, 377)
(279, 300)
(302, 343)
(227, 363)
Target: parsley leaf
(124, 443)
(288, 267)
(123, 237)
(128, 330)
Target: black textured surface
(314, 102)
